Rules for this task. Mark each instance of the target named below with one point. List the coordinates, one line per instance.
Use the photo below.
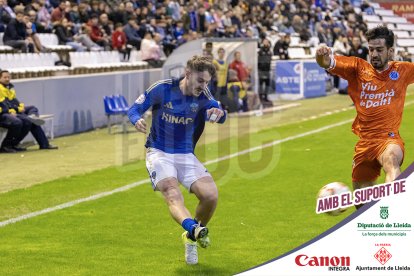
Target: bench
(49, 119)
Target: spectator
(222, 67)
(150, 50)
(131, 31)
(243, 71)
(119, 42)
(63, 31)
(236, 91)
(174, 10)
(43, 15)
(281, 47)
(6, 14)
(264, 66)
(32, 36)
(105, 24)
(341, 46)
(59, 12)
(357, 49)
(119, 15)
(97, 34)
(18, 119)
(16, 36)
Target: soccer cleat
(204, 242)
(191, 254)
(200, 232)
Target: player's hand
(323, 56)
(214, 114)
(141, 125)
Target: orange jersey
(378, 97)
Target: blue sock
(188, 224)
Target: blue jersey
(177, 120)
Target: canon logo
(303, 260)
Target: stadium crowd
(154, 26)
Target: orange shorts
(366, 166)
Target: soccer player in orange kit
(378, 91)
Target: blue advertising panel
(314, 80)
(287, 76)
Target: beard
(379, 64)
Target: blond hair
(200, 64)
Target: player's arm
(141, 105)
(324, 57)
(214, 113)
(342, 66)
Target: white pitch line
(135, 184)
(144, 181)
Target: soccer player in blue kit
(180, 108)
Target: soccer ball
(334, 188)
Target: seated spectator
(16, 36)
(18, 119)
(84, 38)
(6, 14)
(131, 30)
(63, 31)
(59, 12)
(119, 42)
(341, 46)
(97, 34)
(281, 47)
(43, 15)
(236, 91)
(150, 50)
(31, 30)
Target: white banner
(378, 239)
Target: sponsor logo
(333, 263)
(168, 105)
(153, 175)
(176, 119)
(384, 212)
(369, 100)
(383, 255)
(140, 99)
(394, 75)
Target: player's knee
(210, 196)
(171, 191)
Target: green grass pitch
(266, 208)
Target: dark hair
(3, 71)
(379, 32)
(200, 64)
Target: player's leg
(170, 189)
(391, 160)
(364, 174)
(163, 176)
(206, 191)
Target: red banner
(401, 8)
